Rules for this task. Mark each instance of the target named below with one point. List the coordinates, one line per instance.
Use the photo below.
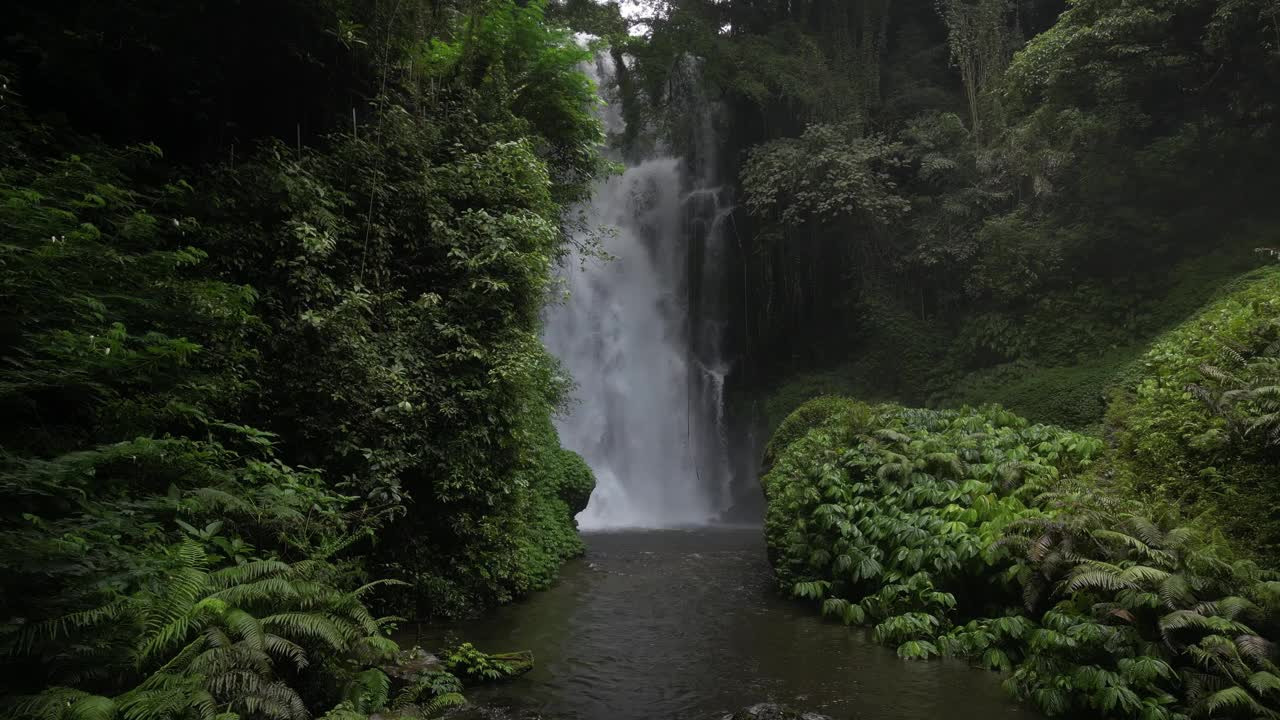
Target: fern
(439, 705)
(1235, 698)
(369, 691)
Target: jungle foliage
(976, 534)
(1196, 428)
(269, 357)
(1034, 190)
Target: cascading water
(641, 333)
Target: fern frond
(217, 499)
(1144, 574)
(281, 647)
(1235, 698)
(369, 690)
(1257, 649)
(52, 704)
(114, 612)
(442, 703)
(1146, 530)
(163, 704)
(93, 707)
(309, 625)
(1097, 580)
(206, 707)
(246, 573)
(386, 582)
(1264, 683)
(1175, 592)
(245, 626)
(263, 590)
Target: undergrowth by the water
(973, 533)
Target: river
(686, 624)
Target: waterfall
(641, 333)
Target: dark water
(685, 624)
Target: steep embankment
(1198, 427)
(1053, 555)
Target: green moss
(1070, 396)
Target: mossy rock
(576, 481)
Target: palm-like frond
(310, 625)
(1145, 530)
(245, 573)
(1257, 650)
(1235, 698)
(1175, 592)
(52, 704)
(442, 703)
(280, 647)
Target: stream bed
(686, 624)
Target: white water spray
(640, 334)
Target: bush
(230, 409)
(161, 561)
(560, 483)
(975, 534)
(813, 413)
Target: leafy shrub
(465, 661)
(974, 534)
(229, 410)
(827, 173)
(813, 413)
(161, 560)
(1140, 618)
(906, 502)
(560, 484)
(401, 268)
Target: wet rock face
(769, 711)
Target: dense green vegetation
(269, 356)
(975, 201)
(1197, 426)
(1131, 577)
(976, 534)
(1054, 207)
(271, 374)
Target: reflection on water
(684, 624)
